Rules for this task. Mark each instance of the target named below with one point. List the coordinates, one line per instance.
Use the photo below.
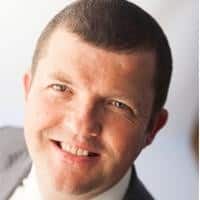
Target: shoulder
(136, 189)
(12, 142)
(15, 161)
(10, 135)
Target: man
(94, 100)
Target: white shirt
(29, 189)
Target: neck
(48, 192)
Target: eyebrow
(63, 77)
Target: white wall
(168, 167)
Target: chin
(73, 184)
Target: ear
(27, 83)
(159, 121)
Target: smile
(75, 150)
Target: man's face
(87, 113)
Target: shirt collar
(118, 191)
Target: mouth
(75, 150)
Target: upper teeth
(74, 150)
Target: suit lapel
(136, 190)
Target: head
(98, 83)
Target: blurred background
(169, 167)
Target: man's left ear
(158, 122)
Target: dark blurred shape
(195, 141)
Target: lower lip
(73, 159)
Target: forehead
(68, 55)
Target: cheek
(124, 139)
(41, 112)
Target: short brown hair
(115, 25)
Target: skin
(84, 95)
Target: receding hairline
(43, 44)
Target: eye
(122, 108)
(60, 88)
(119, 104)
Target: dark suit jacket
(15, 164)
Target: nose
(84, 119)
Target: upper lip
(83, 146)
